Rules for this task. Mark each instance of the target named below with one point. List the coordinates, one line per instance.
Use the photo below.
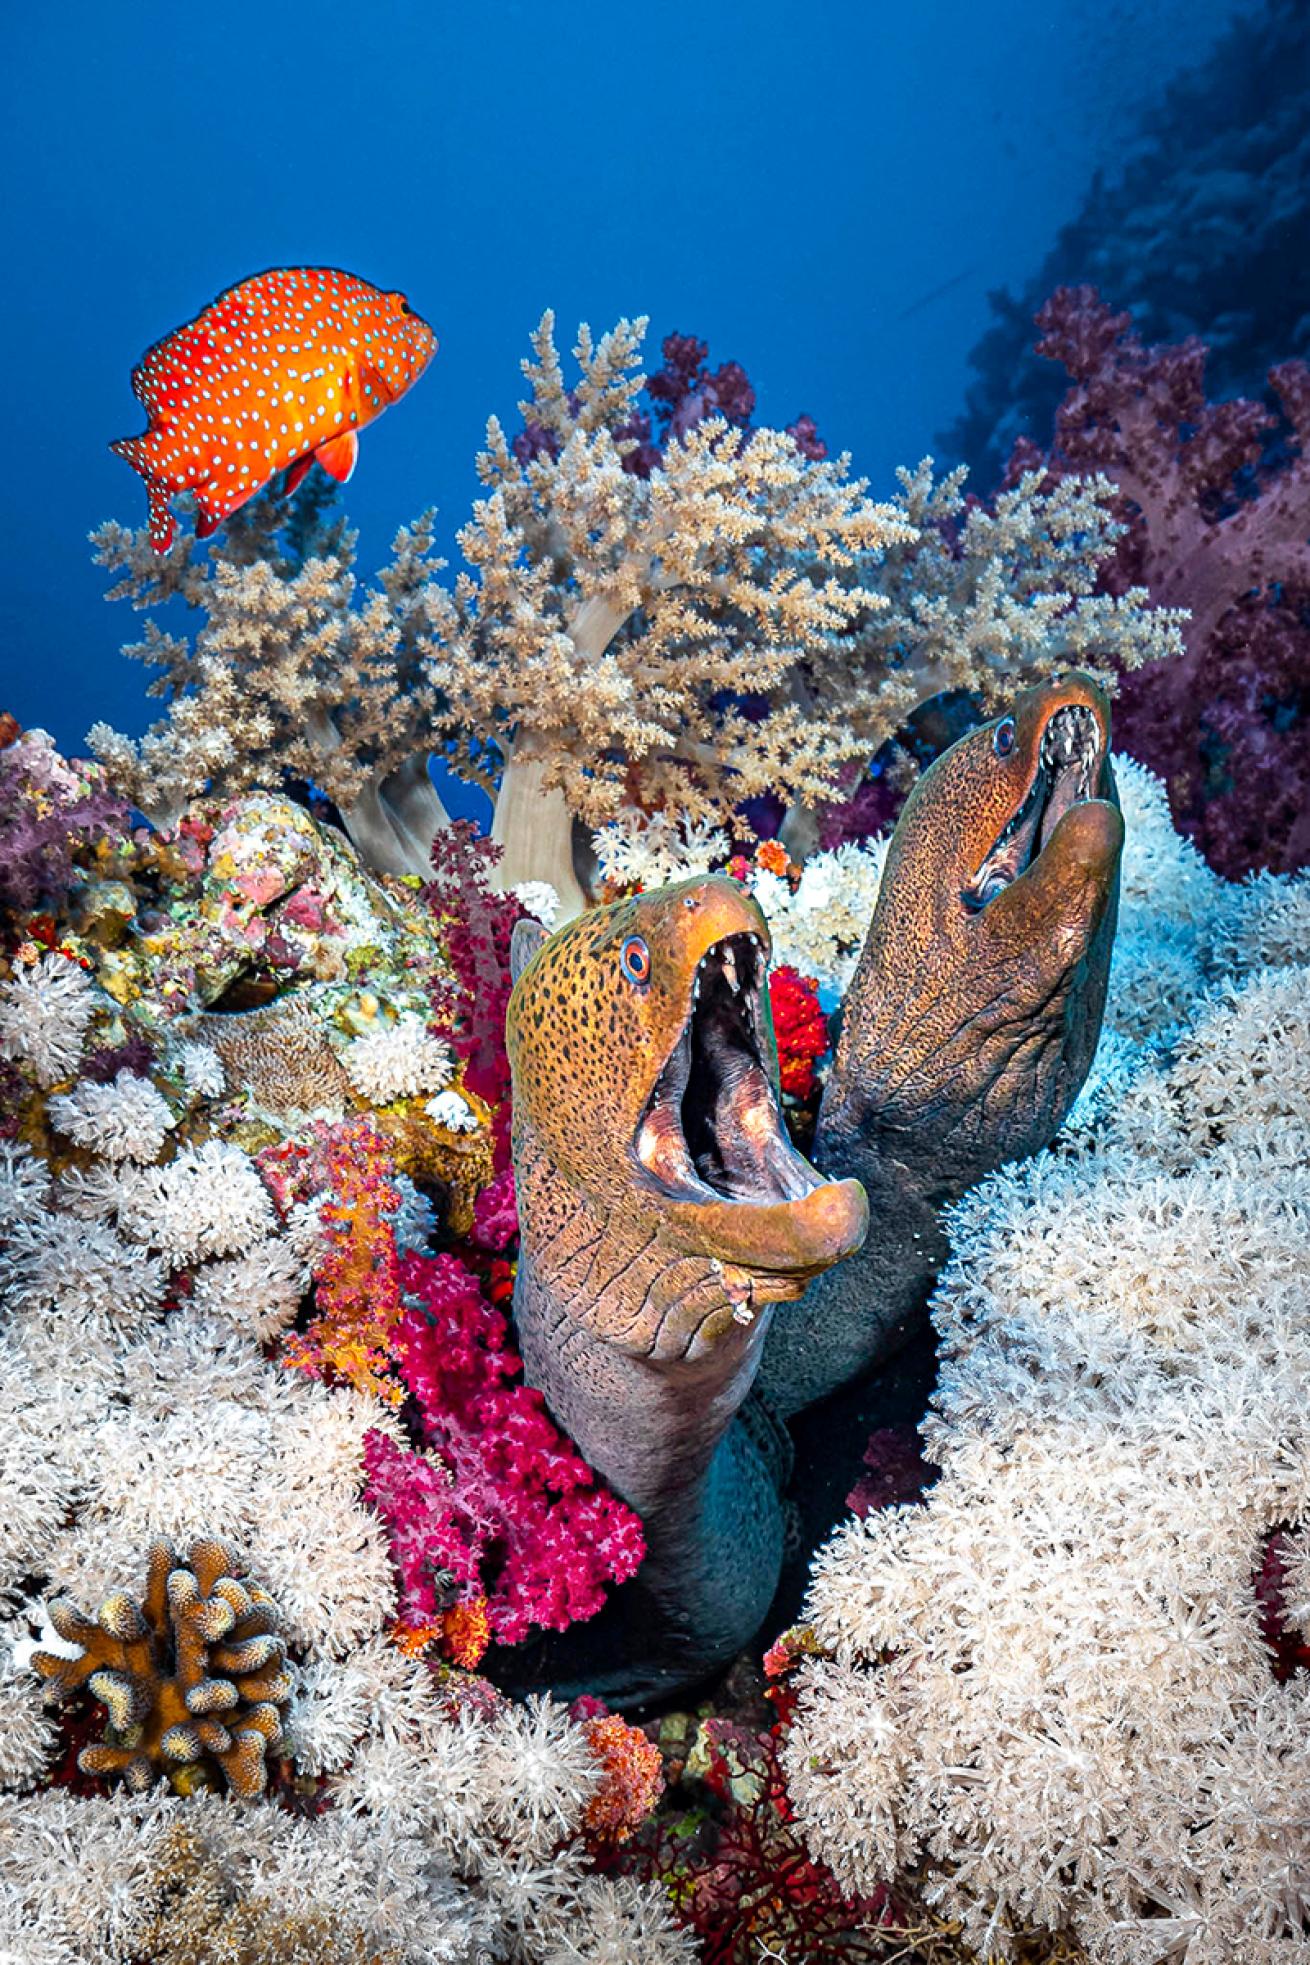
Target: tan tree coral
(194, 1676)
(612, 625)
(287, 672)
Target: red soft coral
(800, 1027)
(501, 1508)
(476, 925)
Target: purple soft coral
(1217, 499)
(49, 808)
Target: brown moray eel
(663, 1212)
(973, 1015)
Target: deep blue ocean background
(825, 193)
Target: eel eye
(634, 960)
(1003, 737)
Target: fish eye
(405, 307)
(1003, 737)
(634, 960)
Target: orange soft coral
(357, 1282)
(632, 1778)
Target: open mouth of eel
(712, 1130)
(1068, 762)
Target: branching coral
(1217, 499)
(284, 676)
(193, 1676)
(357, 1277)
(612, 625)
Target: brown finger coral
(194, 1677)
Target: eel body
(973, 1015)
(664, 1212)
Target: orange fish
(278, 372)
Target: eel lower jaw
(713, 1145)
(1069, 763)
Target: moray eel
(973, 1015)
(663, 1212)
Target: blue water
(825, 192)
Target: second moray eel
(973, 1015)
(664, 1212)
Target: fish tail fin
(136, 452)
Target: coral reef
(1217, 502)
(1196, 234)
(162, 1225)
(1046, 1682)
(193, 1676)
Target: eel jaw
(1070, 757)
(712, 1142)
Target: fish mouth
(712, 1130)
(1069, 760)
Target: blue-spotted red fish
(279, 372)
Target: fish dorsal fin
(339, 456)
(527, 938)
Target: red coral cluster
(1216, 497)
(501, 1514)
(800, 1027)
(632, 1773)
(737, 1869)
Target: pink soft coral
(501, 1509)
(1217, 501)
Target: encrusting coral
(193, 1676)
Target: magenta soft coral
(501, 1509)
(1217, 500)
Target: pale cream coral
(1048, 1681)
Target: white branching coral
(448, 1109)
(208, 1200)
(44, 1014)
(200, 1068)
(397, 1060)
(611, 624)
(124, 1120)
(1047, 1682)
(653, 849)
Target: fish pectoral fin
(297, 473)
(339, 456)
